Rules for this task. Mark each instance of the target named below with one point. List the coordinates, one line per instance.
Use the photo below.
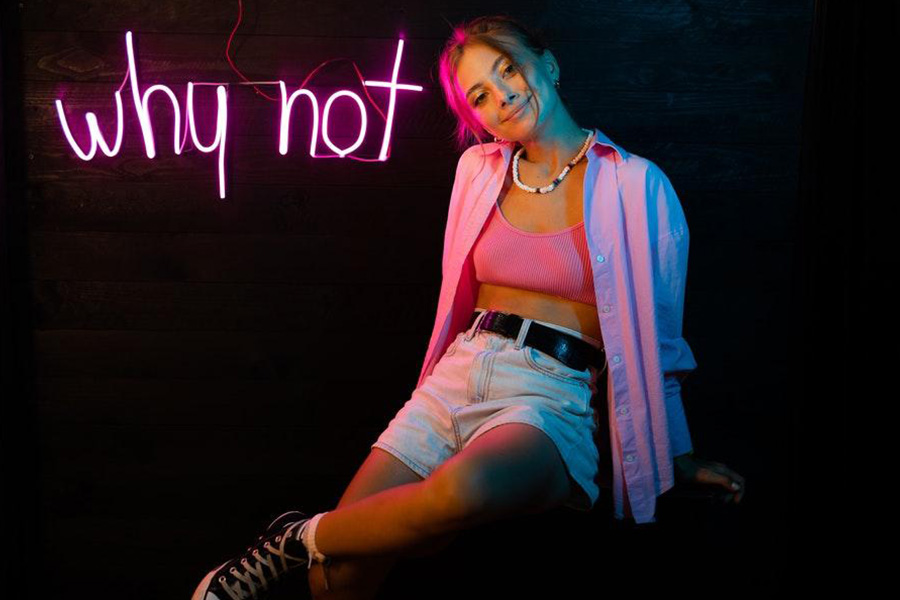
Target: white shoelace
(236, 591)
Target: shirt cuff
(679, 433)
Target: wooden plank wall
(201, 365)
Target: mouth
(518, 110)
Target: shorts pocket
(548, 365)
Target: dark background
(177, 369)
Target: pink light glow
(94, 129)
(287, 104)
(221, 125)
(141, 102)
(362, 125)
(394, 86)
(286, 118)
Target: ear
(550, 64)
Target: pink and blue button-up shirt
(638, 240)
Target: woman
(547, 284)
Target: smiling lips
(518, 110)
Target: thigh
(509, 470)
(380, 471)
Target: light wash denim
(484, 380)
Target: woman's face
(497, 94)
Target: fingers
(721, 475)
(736, 484)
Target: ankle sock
(308, 537)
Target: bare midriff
(542, 213)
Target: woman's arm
(670, 261)
(669, 254)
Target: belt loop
(475, 325)
(523, 331)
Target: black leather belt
(568, 349)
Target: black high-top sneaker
(276, 553)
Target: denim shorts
(486, 379)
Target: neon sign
(141, 102)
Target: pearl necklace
(549, 188)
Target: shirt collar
(599, 138)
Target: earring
(556, 83)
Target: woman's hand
(707, 473)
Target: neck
(550, 151)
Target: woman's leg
(510, 470)
(359, 578)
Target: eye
(505, 71)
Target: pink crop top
(556, 263)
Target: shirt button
(629, 458)
(606, 308)
(600, 258)
(623, 410)
(617, 359)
